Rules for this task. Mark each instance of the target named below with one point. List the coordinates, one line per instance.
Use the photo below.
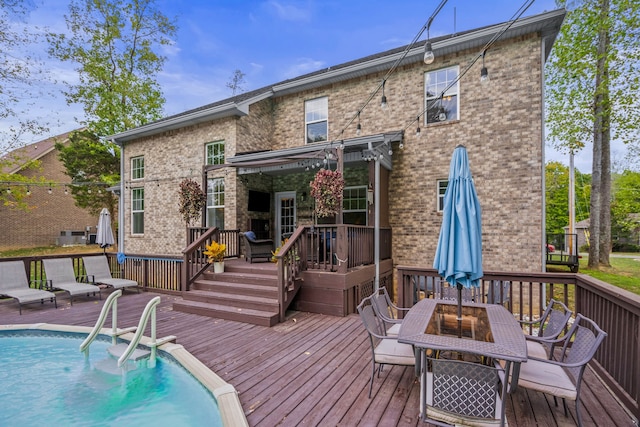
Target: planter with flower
(215, 255)
(326, 189)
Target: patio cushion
(394, 330)
(547, 378)
(250, 235)
(535, 349)
(390, 351)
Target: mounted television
(259, 201)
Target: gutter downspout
(376, 225)
(121, 200)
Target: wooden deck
(310, 370)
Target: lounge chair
(14, 284)
(256, 248)
(60, 275)
(98, 272)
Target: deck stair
(244, 293)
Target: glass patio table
(486, 330)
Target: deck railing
(615, 310)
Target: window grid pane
(137, 167)
(443, 108)
(442, 188)
(316, 123)
(215, 203)
(137, 211)
(215, 153)
(354, 205)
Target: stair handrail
(149, 310)
(193, 264)
(111, 302)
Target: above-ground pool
(46, 380)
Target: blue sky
(273, 40)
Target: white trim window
(354, 205)
(214, 153)
(316, 120)
(137, 211)
(442, 188)
(137, 168)
(441, 95)
(215, 203)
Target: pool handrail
(149, 310)
(111, 302)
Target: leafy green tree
(115, 44)
(93, 165)
(593, 83)
(557, 197)
(18, 70)
(625, 207)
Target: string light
(50, 190)
(28, 191)
(418, 128)
(358, 128)
(383, 102)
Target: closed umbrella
(104, 235)
(459, 252)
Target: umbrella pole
(459, 286)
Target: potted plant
(215, 255)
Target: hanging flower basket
(326, 189)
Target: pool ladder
(125, 351)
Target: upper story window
(442, 188)
(441, 95)
(215, 153)
(354, 205)
(137, 167)
(316, 113)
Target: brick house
(52, 217)
(257, 152)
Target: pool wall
(226, 395)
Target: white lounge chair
(14, 284)
(60, 275)
(98, 272)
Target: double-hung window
(137, 211)
(441, 95)
(215, 153)
(316, 113)
(215, 203)
(137, 167)
(442, 188)
(354, 205)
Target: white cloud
(303, 66)
(289, 12)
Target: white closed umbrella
(104, 236)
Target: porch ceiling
(277, 162)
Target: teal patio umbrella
(459, 252)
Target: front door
(285, 215)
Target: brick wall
(48, 214)
(499, 123)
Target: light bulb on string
(383, 102)
(50, 190)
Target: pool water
(48, 381)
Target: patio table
(488, 330)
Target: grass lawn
(623, 273)
(52, 250)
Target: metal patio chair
(387, 312)
(553, 321)
(463, 393)
(563, 377)
(14, 284)
(385, 350)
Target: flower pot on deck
(218, 267)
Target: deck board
(310, 370)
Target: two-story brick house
(258, 151)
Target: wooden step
(256, 317)
(233, 300)
(235, 288)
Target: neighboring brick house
(263, 141)
(52, 210)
